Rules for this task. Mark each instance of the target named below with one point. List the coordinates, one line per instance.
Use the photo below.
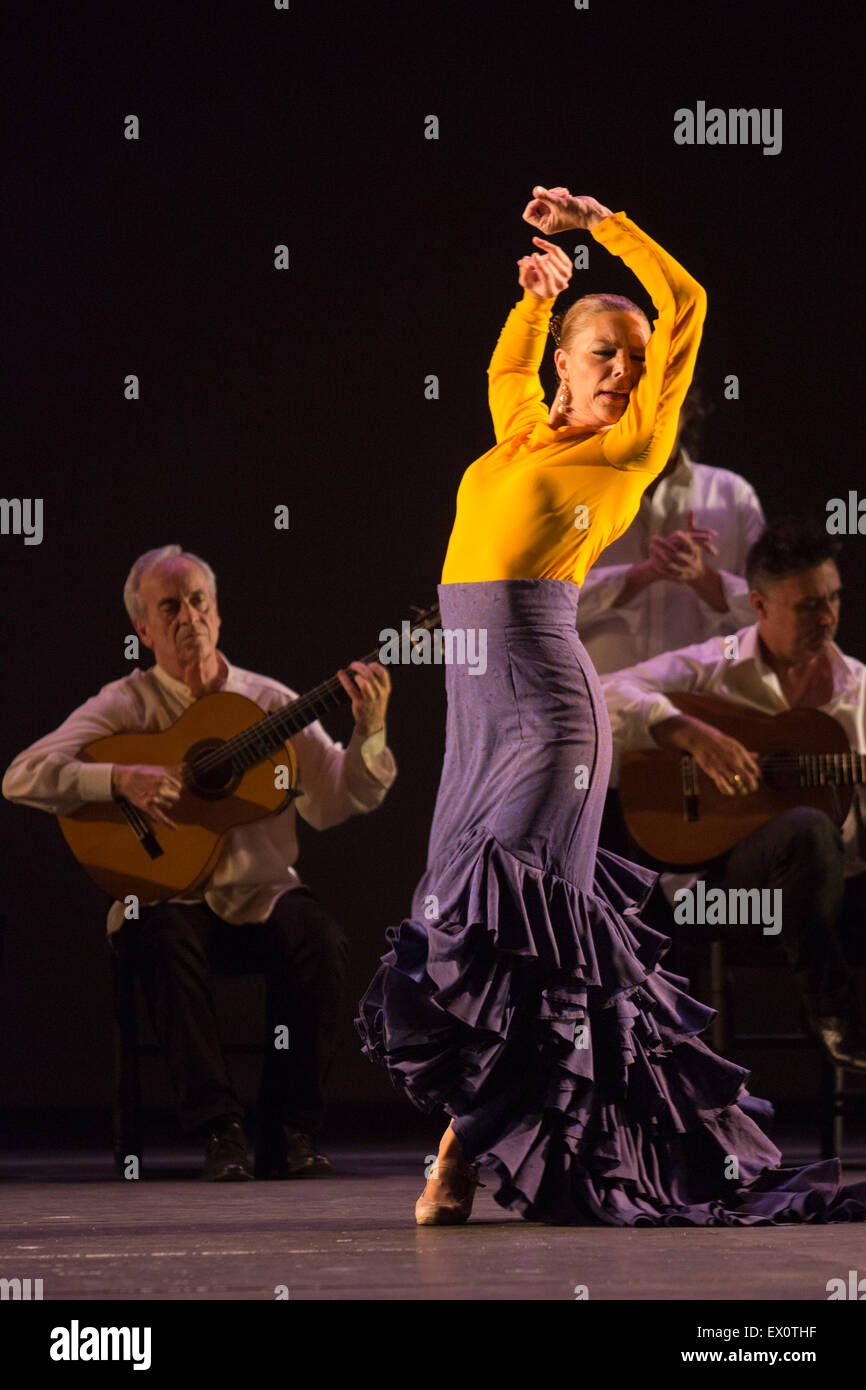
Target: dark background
(306, 387)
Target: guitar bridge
(149, 843)
(689, 784)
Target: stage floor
(69, 1221)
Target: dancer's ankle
(449, 1148)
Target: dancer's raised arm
(642, 437)
(514, 390)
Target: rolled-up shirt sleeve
(337, 782)
(636, 697)
(50, 776)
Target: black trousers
(302, 954)
(823, 914)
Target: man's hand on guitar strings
(369, 689)
(148, 788)
(734, 770)
(732, 767)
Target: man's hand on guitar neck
(730, 765)
(148, 788)
(369, 688)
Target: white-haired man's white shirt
(637, 700)
(256, 862)
(668, 614)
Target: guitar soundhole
(779, 770)
(208, 775)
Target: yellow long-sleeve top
(520, 506)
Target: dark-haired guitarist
(788, 659)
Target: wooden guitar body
(236, 764)
(674, 810)
(99, 833)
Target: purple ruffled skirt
(524, 996)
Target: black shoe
(842, 1040)
(289, 1153)
(225, 1155)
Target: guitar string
(322, 694)
(856, 771)
(249, 737)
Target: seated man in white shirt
(657, 587)
(253, 913)
(787, 659)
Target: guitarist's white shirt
(635, 700)
(257, 862)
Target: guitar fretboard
(257, 743)
(831, 769)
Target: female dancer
(524, 995)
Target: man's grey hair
(135, 605)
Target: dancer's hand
(554, 210)
(545, 275)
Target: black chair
(726, 955)
(837, 1101)
(710, 964)
(129, 1051)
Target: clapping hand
(679, 556)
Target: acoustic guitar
(675, 812)
(237, 766)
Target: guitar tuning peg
(429, 616)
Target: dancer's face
(602, 366)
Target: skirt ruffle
(539, 1017)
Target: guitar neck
(831, 769)
(265, 737)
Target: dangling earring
(564, 396)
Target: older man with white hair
(253, 913)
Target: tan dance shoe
(451, 1204)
